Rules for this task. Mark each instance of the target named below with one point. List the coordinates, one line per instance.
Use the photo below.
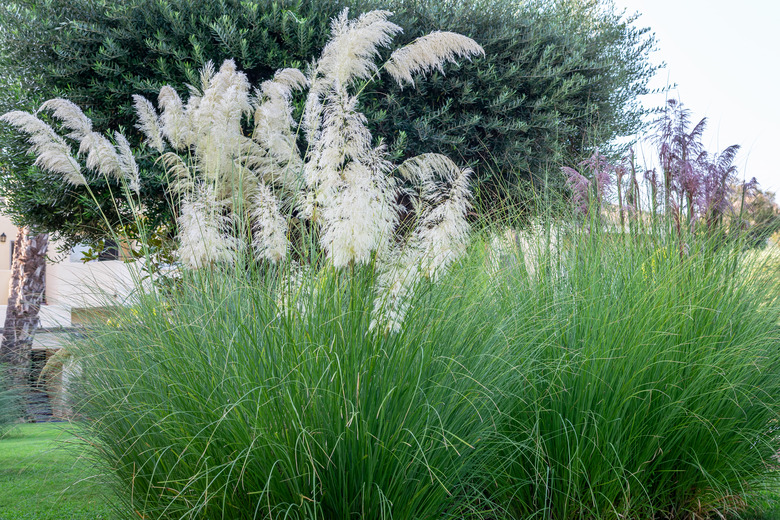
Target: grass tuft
(566, 373)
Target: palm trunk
(27, 287)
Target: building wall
(7, 227)
(92, 284)
(70, 283)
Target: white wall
(70, 283)
(7, 227)
(91, 284)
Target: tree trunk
(27, 287)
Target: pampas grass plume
(201, 241)
(349, 55)
(52, 152)
(101, 155)
(430, 52)
(148, 122)
(70, 115)
(127, 164)
(173, 123)
(269, 227)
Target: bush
(560, 374)
(559, 77)
(248, 395)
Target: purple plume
(579, 186)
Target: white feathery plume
(269, 227)
(201, 241)
(353, 197)
(206, 73)
(430, 52)
(70, 115)
(243, 182)
(193, 103)
(439, 239)
(182, 177)
(255, 157)
(354, 44)
(441, 236)
(312, 109)
(273, 128)
(148, 122)
(263, 166)
(275, 112)
(444, 232)
(52, 152)
(285, 82)
(305, 205)
(295, 287)
(429, 173)
(127, 164)
(173, 121)
(399, 274)
(361, 216)
(217, 121)
(101, 155)
(344, 137)
(347, 57)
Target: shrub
(559, 77)
(251, 395)
(660, 388)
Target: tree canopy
(559, 77)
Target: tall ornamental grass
(560, 373)
(661, 385)
(268, 395)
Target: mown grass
(43, 476)
(767, 505)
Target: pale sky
(724, 57)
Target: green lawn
(42, 476)
(769, 508)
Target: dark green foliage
(558, 77)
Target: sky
(724, 58)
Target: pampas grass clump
(327, 352)
(585, 374)
(253, 191)
(270, 396)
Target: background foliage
(559, 76)
(10, 409)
